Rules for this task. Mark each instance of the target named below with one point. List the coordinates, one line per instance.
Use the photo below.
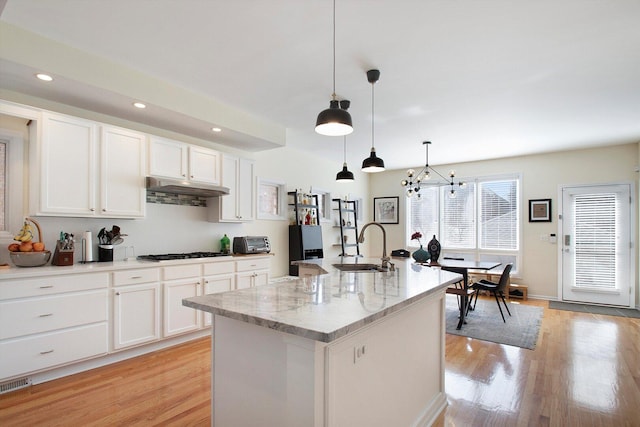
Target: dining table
(459, 265)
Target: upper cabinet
(177, 160)
(84, 169)
(238, 175)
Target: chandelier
(415, 181)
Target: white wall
(542, 176)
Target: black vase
(434, 249)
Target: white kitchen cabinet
(177, 160)
(238, 175)
(122, 173)
(82, 174)
(67, 162)
(251, 272)
(52, 321)
(179, 282)
(217, 277)
(136, 307)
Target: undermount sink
(357, 267)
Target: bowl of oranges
(28, 253)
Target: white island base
(387, 373)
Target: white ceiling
(480, 79)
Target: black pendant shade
(373, 163)
(345, 175)
(334, 121)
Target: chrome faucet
(385, 258)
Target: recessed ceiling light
(216, 129)
(139, 105)
(44, 77)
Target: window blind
(458, 218)
(595, 240)
(498, 214)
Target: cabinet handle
(184, 175)
(46, 352)
(191, 176)
(136, 277)
(46, 287)
(92, 209)
(46, 315)
(117, 293)
(104, 210)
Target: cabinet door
(251, 279)
(68, 181)
(122, 173)
(136, 314)
(229, 204)
(178, 318)
(214, 285)
(167, 159)
(246, 186)
(204, 165)
(239, 176)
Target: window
(324, 204)
(271, 200)
(482, 222)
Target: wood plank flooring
(584, 372)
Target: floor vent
(12, 385)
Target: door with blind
(596, 241)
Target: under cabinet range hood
(174, 186)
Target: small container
(105, 253)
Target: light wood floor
(585, 371)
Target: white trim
(15, 181)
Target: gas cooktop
(190, 255)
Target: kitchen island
(345, 348)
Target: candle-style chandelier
(415, 182)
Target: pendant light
(373, 163)
(335, 120)
(345, 175)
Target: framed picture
(540, 210)
(385, 210)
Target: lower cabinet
(52, 321)
(136, 307)
(252, 272)
(181, 282)
(136, 314)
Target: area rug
(595, 309)
(485, 323)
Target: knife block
(62, 256)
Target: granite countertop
(328, 306)
(96, 267)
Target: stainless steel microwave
(251, 245)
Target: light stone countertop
(329, 306)
(97, 267)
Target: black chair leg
(495, 294)
(505, 303)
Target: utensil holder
(105, 253)
(62, 256)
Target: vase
(420, 255)
(434, 249)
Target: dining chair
(496, 289)
(461, 288)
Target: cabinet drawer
(33, 353)
(19, 288)
(252, 264)
(182, 271)
(35, 315)
(133, 277)
(213, 268)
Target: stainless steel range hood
(174, 186)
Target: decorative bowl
(30, 259)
